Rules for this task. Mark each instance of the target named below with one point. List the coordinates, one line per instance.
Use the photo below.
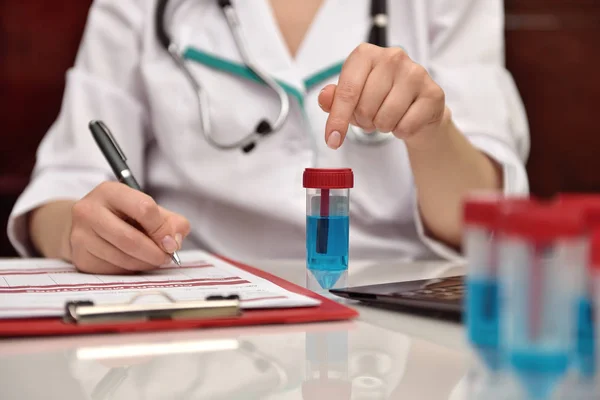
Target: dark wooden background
(552, 49)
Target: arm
(484, 142)
(103, 84)
(460, 115)
(56, 214)
(445, 169)
(68, 210)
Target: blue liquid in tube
(539, 371)
(327, 257)
(585, 350)
(483, 320)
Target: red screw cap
(321, 178)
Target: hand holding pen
(116, 228)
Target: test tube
(595, 262)
(327, 227)
(585, 348)
(481, 215)
(542, 253)
(584, 384)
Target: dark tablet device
(439, 297)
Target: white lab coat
(253, 205)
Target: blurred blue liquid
(539, 372)
(482, 320)
(327, 243)
(585, 350)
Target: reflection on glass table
(354, 360)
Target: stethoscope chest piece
(359, 135)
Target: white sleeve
(104, 84)
(467, 61)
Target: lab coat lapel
(265, 43)
(339, 26)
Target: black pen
(117, 160)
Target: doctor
(451, 118)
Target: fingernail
(169, 244)
(178, 239)
(334, 140)
(318, 98)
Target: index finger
(352, 80)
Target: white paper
(41, 287)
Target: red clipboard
(328, 310)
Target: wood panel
(38, 43)
(552, 51)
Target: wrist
(65, 242)
(432, 138)
(50, 229)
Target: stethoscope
(377, 36)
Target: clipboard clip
(86, 312)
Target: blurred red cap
(595, 250)
(588, 203)
(543, 222)
(486, 209)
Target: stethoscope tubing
(247, 143)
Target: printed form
(41, 287)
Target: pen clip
(112, 139)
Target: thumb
(326, 97)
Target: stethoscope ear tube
(379, 23)
(161, 33)
(284, 101)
